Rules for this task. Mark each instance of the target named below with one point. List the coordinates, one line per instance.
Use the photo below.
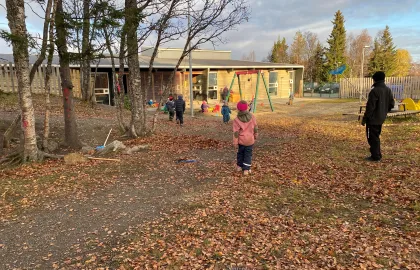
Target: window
(213, 79)
(272, 83)
(212, 94)
(212, 88)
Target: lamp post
(363, 60)
(190, 64)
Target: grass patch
(402, 119)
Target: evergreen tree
(278, 53)
(319, 72)
(383, 56)
(335, 53)
(375, 58)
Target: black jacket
(170, 105)
(380, 102)
(180, 105)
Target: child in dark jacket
(170, 106)
(226, 112)
(245, 132)
(179, 110)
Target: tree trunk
(132, 20)
(86, 52)
(121, 92)
(70, 125)
(48, 72)
(92, 91)
(115, 88)
(17, 25)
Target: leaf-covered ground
(312, 202)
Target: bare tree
(48, 72)
(311, 42)
(297, 49)
(249, 57)
(17, 25)
(355, 50)
(210, 19)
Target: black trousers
(372, 133)
(171, 115)
(180, 117)
(244, 157)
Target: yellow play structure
(410, 105)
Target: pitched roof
(171, 63)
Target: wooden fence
(8, 80)
(402, 87)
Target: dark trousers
(180, 117)
(244, 157)
(372, 133)
(171, 115)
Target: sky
(273, 18)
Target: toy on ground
(411, 105)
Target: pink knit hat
(242, 105)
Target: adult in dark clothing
(225, 93)
(170, 106)
(179, 110)
(380, 102)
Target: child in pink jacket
(245, 132)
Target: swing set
(259, 73)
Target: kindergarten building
(212, 71)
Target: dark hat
(378, 76)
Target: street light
(363, 59)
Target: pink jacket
(245, 129)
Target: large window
(212, 89)
(273, 83)
(213, 79)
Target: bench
(390, 114)
(397, 104)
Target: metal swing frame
(259, 73)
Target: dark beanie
(378, 76)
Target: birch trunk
(48, 72)
(17, 25)
(121, 92)
(115, 88)
(70, 125)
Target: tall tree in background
(415, 69)
(279, 52)
(297, 49)
(70, 126)
(86, 47)
(383, 54)
(318, 60)
(335, 53)
(311, 44)
(403, 62)
(249, 57)
(19, 39)
(354, 53)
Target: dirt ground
(311, 203)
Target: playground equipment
(411, 105)
(248, 72)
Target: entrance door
(292, 82)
